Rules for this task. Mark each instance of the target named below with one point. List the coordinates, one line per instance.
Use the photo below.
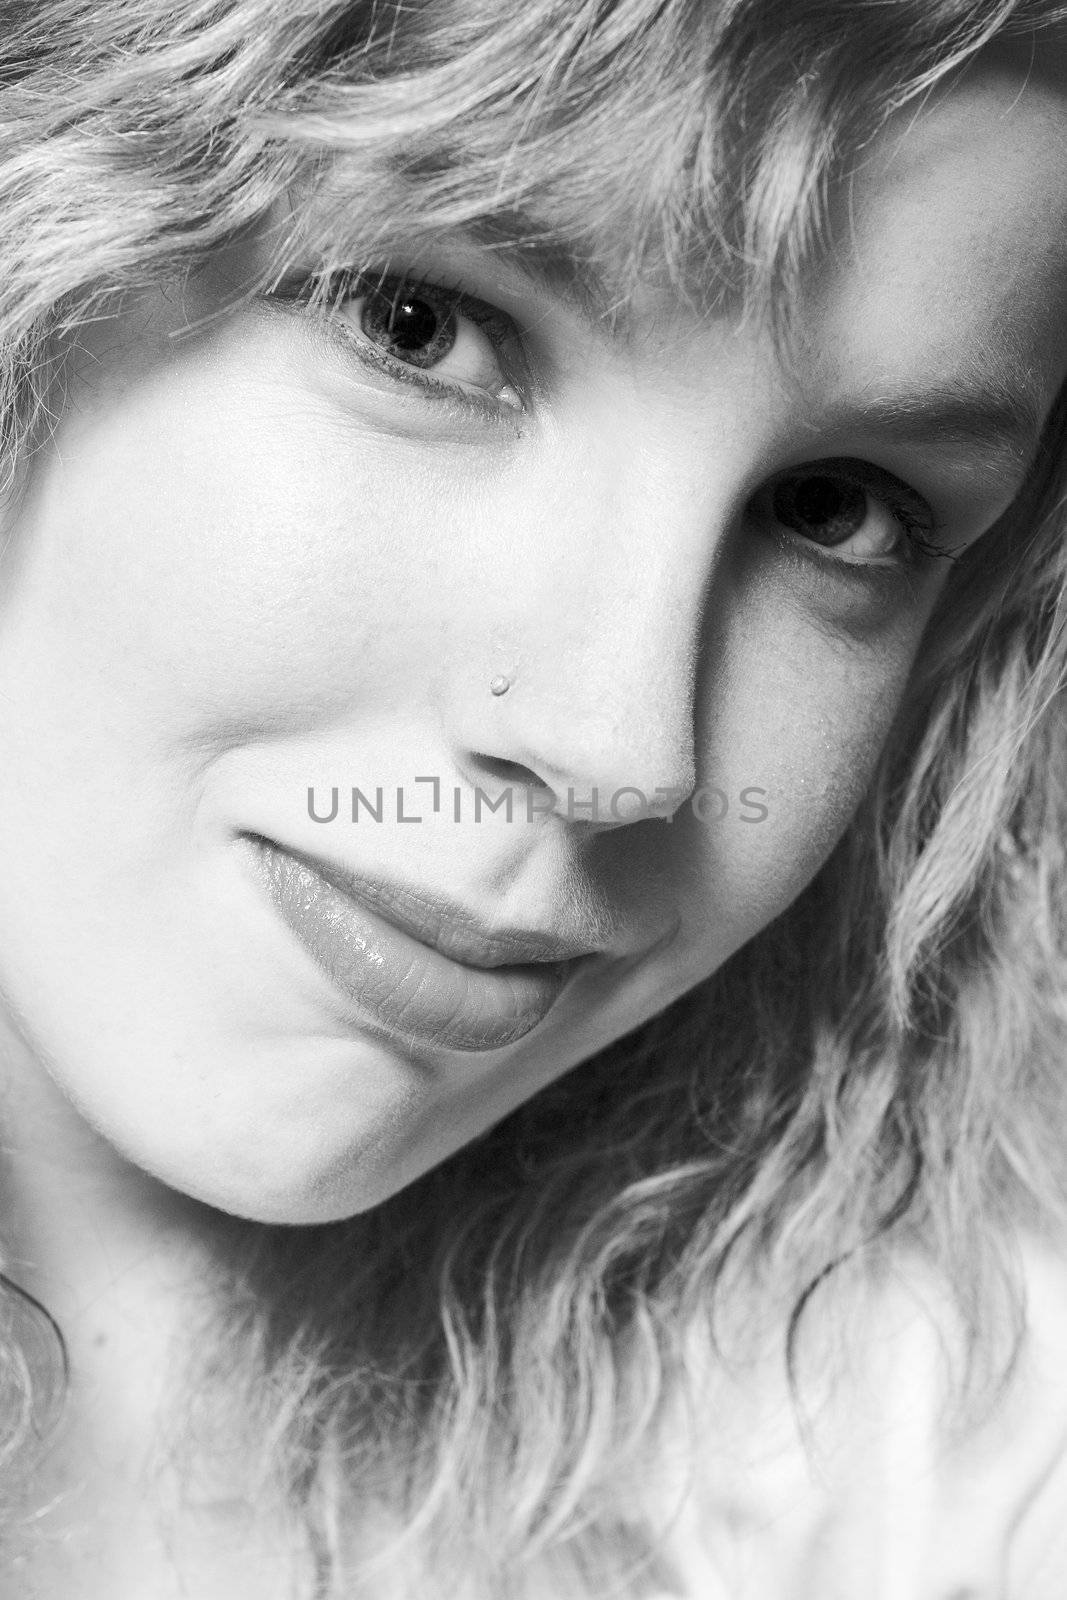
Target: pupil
(818, 500)
(416, 327)
(827, 510)
(412, 324)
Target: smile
(411, 967)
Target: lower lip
(408, 987)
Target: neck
(114, 1255)
(128, 1270)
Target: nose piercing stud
(500, 684)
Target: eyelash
(918, 523)
(327, 293)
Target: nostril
(509, 771)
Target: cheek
(210, 557)
(794, 726)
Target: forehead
(948, 241)
(945, 238)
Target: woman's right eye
(441, 340)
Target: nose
(611, 541)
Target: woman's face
(257, 560)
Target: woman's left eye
(853, 508)
(444, 341)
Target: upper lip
(448, 926)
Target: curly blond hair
(463, 1374)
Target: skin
(248, 562)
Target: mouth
(423, 968)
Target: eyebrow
(997, 415)
(548, 268)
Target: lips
(421, 967)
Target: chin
(270, 1183)
(293, 1203)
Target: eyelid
(327, 291)
(888, 582)
(496, 323)
(920, 526)
(869, 476)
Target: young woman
(531, 695)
